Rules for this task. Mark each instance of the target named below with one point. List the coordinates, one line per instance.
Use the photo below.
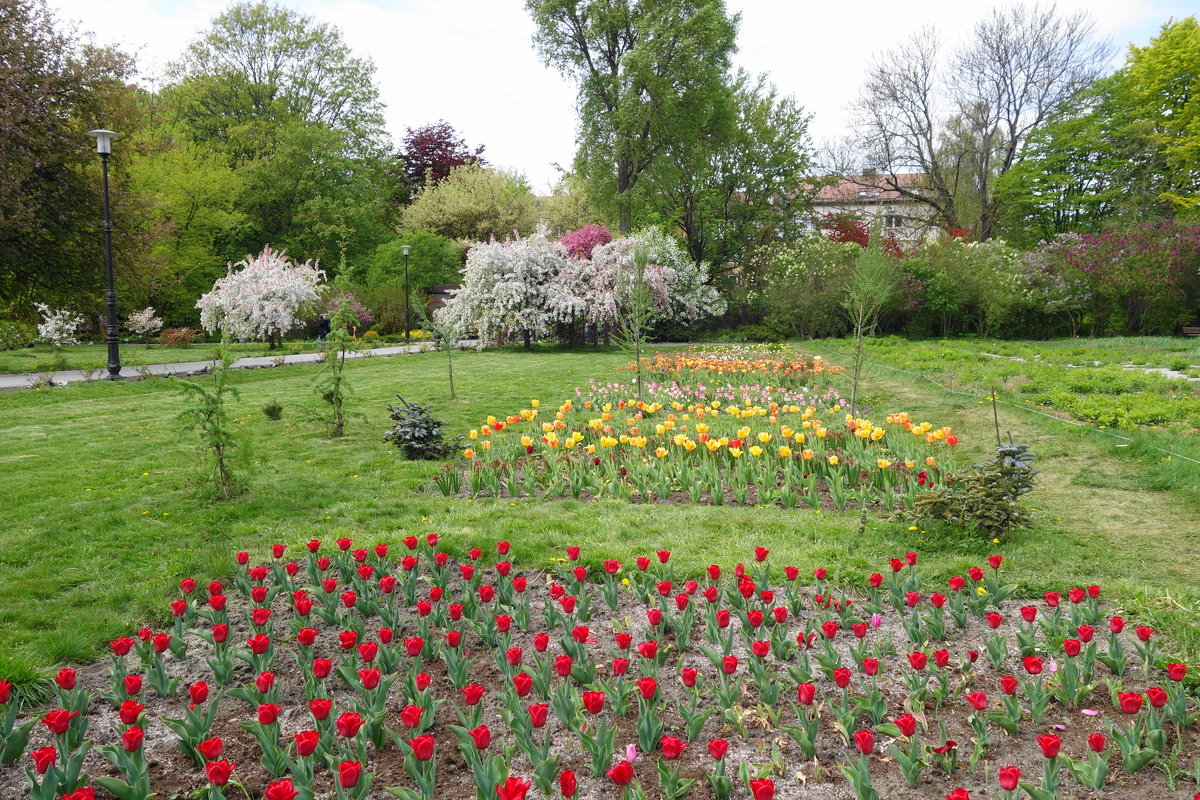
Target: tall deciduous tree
(54, 87)
(261, 67)
(429, 152)
(962, 121)
(1130, 151)
(740, 184)
(646, 70)
(474, 204)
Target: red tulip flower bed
(349, 674)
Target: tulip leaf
(1036, 792)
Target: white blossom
(144, 322)
(261, 296)
(58, 325)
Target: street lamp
(407, 305)
(104, 148)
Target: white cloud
(472, 63)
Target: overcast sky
(471, 62)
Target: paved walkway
(11, 382)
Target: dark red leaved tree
(431, 151)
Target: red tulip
(567, 784)
(538, 713)
(268, 713)
(320, 708)
(1009, 776)
(918, 660)
(422, 747)
(522, 684)
(907, 724)
(762, 788)
(129, 712)
(620, 666)
(513, 788)
(1156, 696)
(672, 747)
(59, 720)
(864, 741)
(958, 794)
(841, 677)
(729, 665)
(131, 739)
(410, 716)
(481, 736)
(593, 702)
(306, 742)
(717, 748)
(321, 668)
(65, 679)
(472, 693)
(43, 759)
(805, 693)
(870, 666)
(1008, 684)
(120, 646)
(621, 774)
(1033, 665)
(1096, 742)
(1131, 702)
(281, 790)
(211, 749)
(218, 772)
(1050, 745)
(648, 687)
(349, 724)
(978, 700)
(1176, 672)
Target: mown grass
(106, 510)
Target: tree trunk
(528, 340)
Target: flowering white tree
(58, 325)
(261, 297)
(144, 323)
(678, 286)
(506, 288)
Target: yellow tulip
(534, 403)
(473, 435)
(736, 452)
(755, 451)
(526, 441)
(882, 463)
(743, 432)
(764, 437)
(785, 452)
(491, 420)
(833, 461)
(689, 445)
(468, 453)
(660, 451)
(806, 454)
(909, 463)
(929, 462)
(486, 445)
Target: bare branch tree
(962, 123)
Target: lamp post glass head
(406, 248)
(103, 140)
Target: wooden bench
(1191, 331)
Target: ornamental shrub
(986, 497)
(178, 337)
(58, 325)
(261, 297)
(15, 335)
(418, 433)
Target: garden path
(11, 382)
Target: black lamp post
(407, 305)
(104, 148)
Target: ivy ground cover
(335, 670)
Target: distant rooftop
(866, 189)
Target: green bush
(417, 433)
(15, 335)
(273, 409)
(985, 497)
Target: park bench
(1191, 331)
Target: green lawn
(85, 356)
(105, 514)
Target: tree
(963, 123)
(569, 207)
(740, 184)
(646, 71)
(432, 259)
(474, 204)
(870, 286)
(261, 297)
(54, 86)
(1128, 152)
(262, 67)
(505, 289)
(582, 242)
(429, 152)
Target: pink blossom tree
(262, 297)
